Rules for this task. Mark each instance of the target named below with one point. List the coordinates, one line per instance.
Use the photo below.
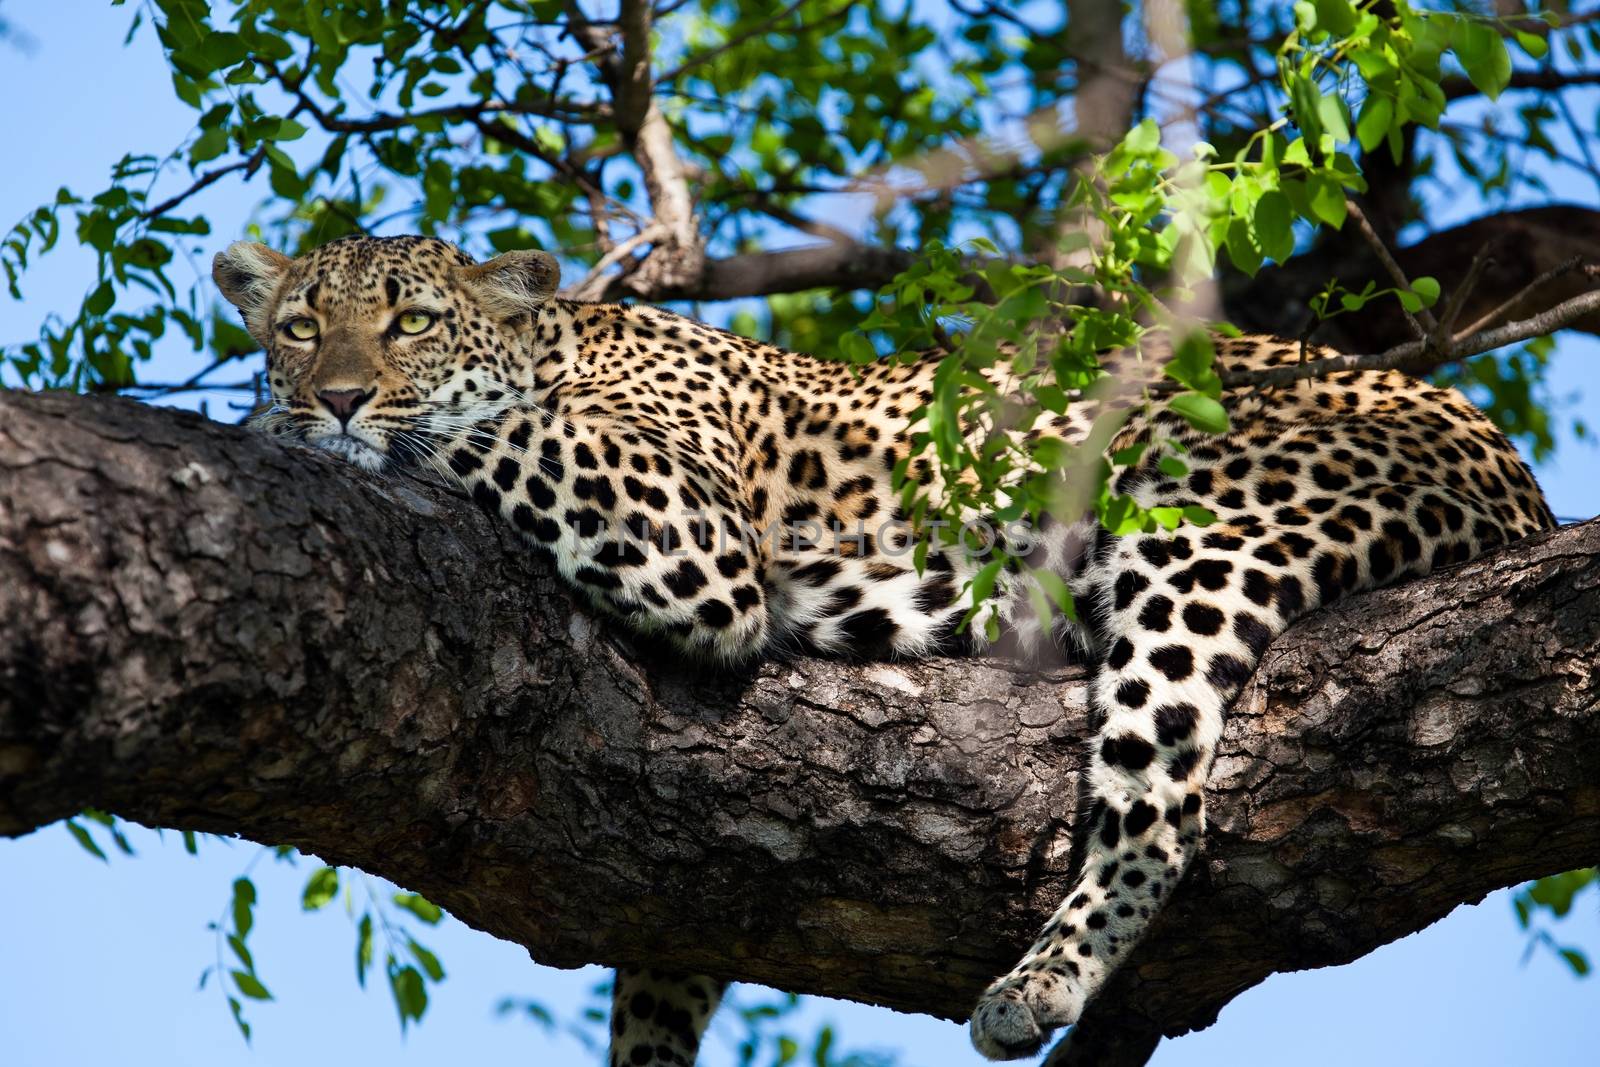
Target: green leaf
(222, 49)
(244, 899)
(418, 906)
(288, 130)
(1333, 115)
(1533, 44)
(1143, 138)
(821, 1054)
(81, 836)
(410, 994)
(1338, 17)
(1483, 56)
(983, 581)
(1326, 199)
(1057, 591)
(1274, 225)
(1427, 289)
(1377, 115)
(1557, 891)
(250, 985)
(1201, 412)
(1192, 364)
(363, 948)
(321, 887)
(1576, 960)
(100, 300)
(1169, 518)
(1305, 16)
(1242, 247)
(430, 962)
(238, 1018)
(856, 347)
(209, 145)
(1052, 453)
(1127, 457)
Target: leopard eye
(301, 329)
(414, 321)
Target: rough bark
(201, 628)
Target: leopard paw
(1017, 1014)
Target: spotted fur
(645, 454)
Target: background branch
(679, 259)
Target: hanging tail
(658, 1018)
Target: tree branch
(842, 265)
(1415, 357)
(1544, 79)
(1527, 245)
(201, 628)
(248, 164)
(738, 39)
(1422, 323)
(679, 259)
(566, 110)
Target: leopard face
(378, 347)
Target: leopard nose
(344, 402)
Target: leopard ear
(248, 275)
(513, 284)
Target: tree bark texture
(203, 628)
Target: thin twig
(249, 164)
(1415, 357)
(590, 288)
(567, 111)
(1577, 134)
(1458, 296)
(1455, 88)
(1422, 322)
(1564, 267)
(795, 220)
(759, 28)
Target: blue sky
(98, 963)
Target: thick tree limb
(200, 628)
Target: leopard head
(379, 347)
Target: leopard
(735, 501)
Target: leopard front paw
(1017, 1014)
